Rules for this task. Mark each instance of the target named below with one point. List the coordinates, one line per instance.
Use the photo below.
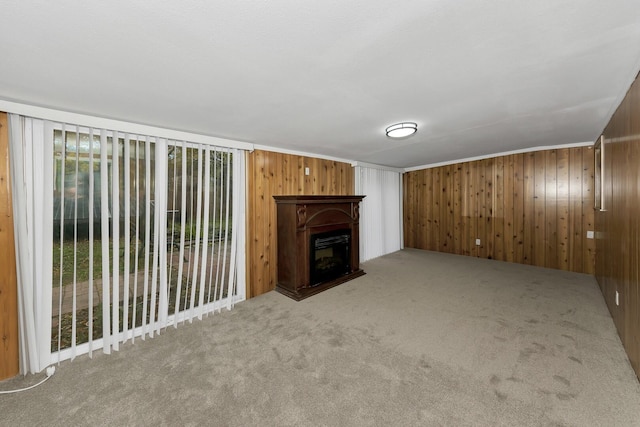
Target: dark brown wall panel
(9, 362)
(618, 227)
(271, 174)
(530, 208)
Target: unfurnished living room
(296, 213)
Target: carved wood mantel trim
(299, 217)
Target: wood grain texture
(529, 208)
(9, 362)
(618, 228)
(273, 174)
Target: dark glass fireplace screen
(329, 256)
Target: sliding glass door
(145, 235)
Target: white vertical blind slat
(155, 259)
(127, 235)
(191, 196)
(219, 276)
(239, 195)
(213, 280)
(147, 232)
(161, 209)
(43, 226)
(205, 232)
(91, 236)
(104, 223)
(137, 239)
(61, 266)
(211, 260)
(27, 327)
(183, 219)
(156, 255)
(234, 237)
(196, 259)
(171, 231)
(115, 225)
(226, 225)
(74, 295)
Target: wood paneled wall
(618, 237)
(9, 362)
(271, 174)
(532, 208)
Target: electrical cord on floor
(50, 371)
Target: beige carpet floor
(423, 339)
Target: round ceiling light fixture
(401, 130)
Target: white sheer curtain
(155, 226)
(380, 211)
(31, 154)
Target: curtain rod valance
(118, 125)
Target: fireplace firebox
(317, 242)
(329, 256)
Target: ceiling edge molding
(117, 125)
(300, 153)
(505, 153)
(374, 166)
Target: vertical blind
(381, 211)
(31, 157)
(147, 233)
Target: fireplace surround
(318, 243)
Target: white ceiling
(326, 77)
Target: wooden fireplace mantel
(300, 217)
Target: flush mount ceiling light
(401, 130)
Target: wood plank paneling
(282, 174)
(437, 212)
(489, 206)
(518, 209)
(498, 216)
(529, 208)
(465, 202)
(9, 362)
(618, 227)
(551, 209)
(517, 205)
(575, 230)
(481, 186)
(588, 214)
(562, 209)
(456, 210)
(508, 195)
(429, 222)
(539, 204)
(473, 201)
